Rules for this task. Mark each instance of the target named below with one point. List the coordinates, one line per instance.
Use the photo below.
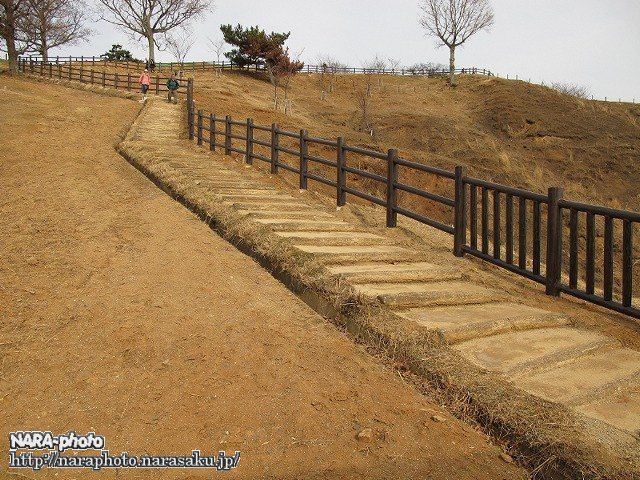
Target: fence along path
(203, 66)
(508, 227)
(77, 72)
(519, 230)
(584, 370)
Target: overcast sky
(593, 43)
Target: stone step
(620, 408)
(405, 295)
(584, 379)
(395, 272)
(272, 205)
(244, 185)
(533, 349)
(293, 224)
(334, 238)
(258, 197)
(332, 254)
(457, 324)
(239, 199)
(244, 191)
(263, 213)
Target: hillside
(503, 130)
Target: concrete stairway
(533, 347)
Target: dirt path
(121, 313)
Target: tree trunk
(275, 97)
(272, 77)
(44, 49)
(9, 37)
(452, 66)
(12, 54)
(152, 50)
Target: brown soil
(121, 313)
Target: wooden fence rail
(68, 71)
(515, 229)
(204, 66)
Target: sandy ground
(121, 313)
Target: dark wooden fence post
(554, 242)
(227, 135)
(304, 154)
(392, 179)
(341, 178)
(157, 85)
(189, 91)
(104, 79)
(128, 81)
(199, 127)
(627, 263)
(212, 132)
(275, 143)
(249, 148)
(190, 106)
(460, 213)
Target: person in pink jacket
(145, 82)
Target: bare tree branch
(454, 21)
(53, 23)
(217, 46)
(179, 46)
(148, 18)
(13, 14)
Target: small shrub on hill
(572, 89)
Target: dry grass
(547, 138)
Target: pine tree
(254, 46)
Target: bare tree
(13, 15)
(148, 18)
(454, 21)
(217, 46)
(394, 63)
(331, 66)
(372, 67)
(179, 46)
(376, 63)
(283, 70)
(54, 23)
(573, 89)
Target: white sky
(593, 43)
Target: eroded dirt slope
(507, 131)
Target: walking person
(145, 82)
(173, 85)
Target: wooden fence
(71, 71)
(204, 66)
(484, 224)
